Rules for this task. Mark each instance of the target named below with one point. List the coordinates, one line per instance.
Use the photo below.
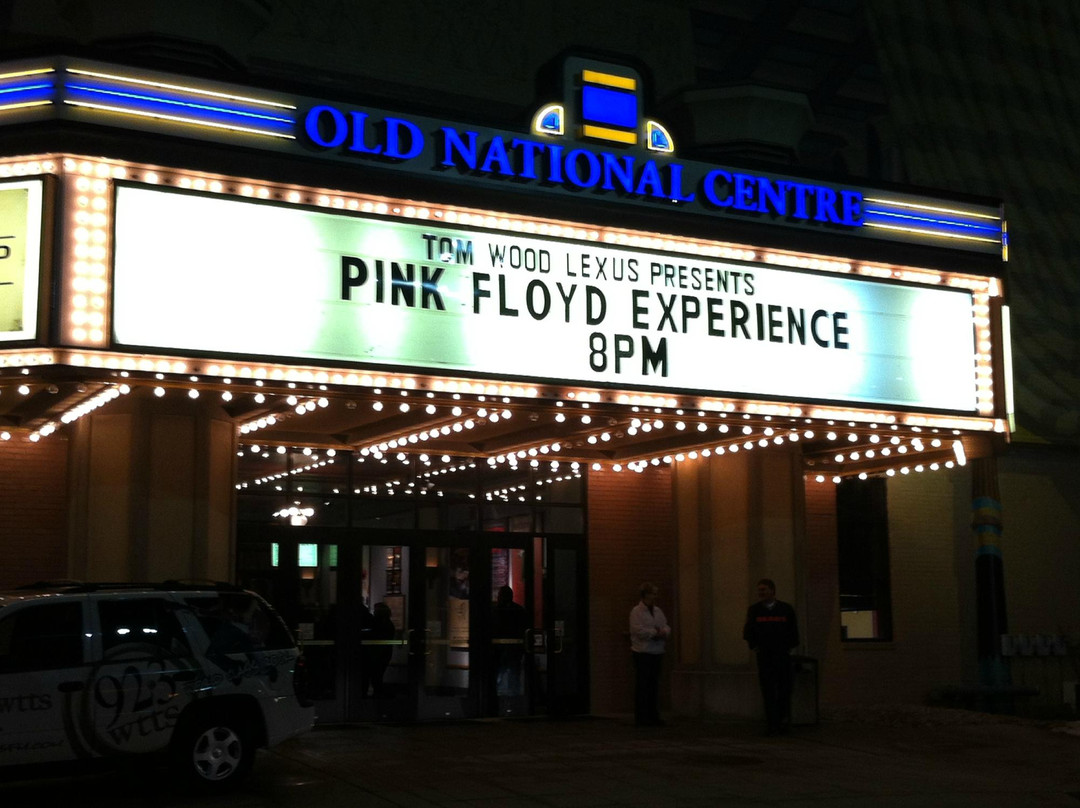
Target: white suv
(202, 673)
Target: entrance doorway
(427, 625)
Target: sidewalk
(881, 757)
(884, 757)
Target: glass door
(537, 639)
(317, 621)
(442, 633)
(374, 592)
(513, 621)
(450, 626)
(299, 574)
(561, 649)
(347, 604)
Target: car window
(142, 625)
(239, 623)
(41, 637)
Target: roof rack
(57, 584)
(77, 587)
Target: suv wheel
(215, 752)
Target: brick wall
(931, 567)
(931, 550)
(1040, 548)
(33, 509)
(820, 625)
(1041, 540)
(631, 539)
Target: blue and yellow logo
(607, 108)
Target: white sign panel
(220, 275)
(20, 258)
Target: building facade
(362, 306)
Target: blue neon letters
(395, 138)
(751, 192)
(577, 168)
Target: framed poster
(20, 258)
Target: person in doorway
(771, 631)
(508, 624)
(377, 651)
(649, 631)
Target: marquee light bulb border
(89, 183)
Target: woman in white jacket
(649, 631)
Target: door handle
(530, 639)
(407, 641)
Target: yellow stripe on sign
(919, 231)
(177, 119)
(609, 79)
(932, 208)
(588, 130)
(41, 71)
(24, 105)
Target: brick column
(989, 572)
(739, 518)
(151, 491)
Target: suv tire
(214, 752)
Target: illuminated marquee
(367, 291)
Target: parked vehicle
(200, 674)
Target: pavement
(881, 757)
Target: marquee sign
(270, 280)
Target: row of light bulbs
(299, 407)
(316, 463)
(378, 449)
(84, 169)
(507, 493)
(903, 470)
(769, 436)
(583, 399)
(637, 424)
(428, 476)
(517, 492)
(580, 399)
(80, 410)
(511, 458)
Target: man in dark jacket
(771, 631)
(376, 651)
